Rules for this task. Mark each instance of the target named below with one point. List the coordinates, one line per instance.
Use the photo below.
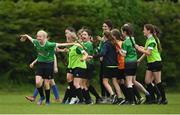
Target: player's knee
(47, 84)
(39, 83)
(52, 82)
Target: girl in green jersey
(45, 62)
(130, 54)
(76, 68)
(152, 52)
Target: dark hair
(71, 29)
(150, 27)
(157, 31)
(109, 23)
(128, 29)
(116, 33)
(110, 37)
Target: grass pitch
(16, 103)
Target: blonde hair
(45, 34)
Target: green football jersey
(129, 49)
(45, 52)
(74, 58)
(89, 49)
(155, 55)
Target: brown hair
(157, 31)
(128, 29)
(88, 31)
(116, 33)
(71, 29)
(150, 27)
(110, 37)
(109, 23)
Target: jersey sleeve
(151, 46)
(35, 42)
(90, 48)
(134, 40)
(52, 45)
(79, 50)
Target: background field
(16, 103)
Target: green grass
(16, 103)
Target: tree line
(20, 16)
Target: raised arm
(85, 55)
(61, 50)
(68, 44)
(24, 37)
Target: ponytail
(110, 37)
(129, 31)
(158, 43)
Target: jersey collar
(43, 44)
(150, 36)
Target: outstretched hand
(23, 38)
(139, 48)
